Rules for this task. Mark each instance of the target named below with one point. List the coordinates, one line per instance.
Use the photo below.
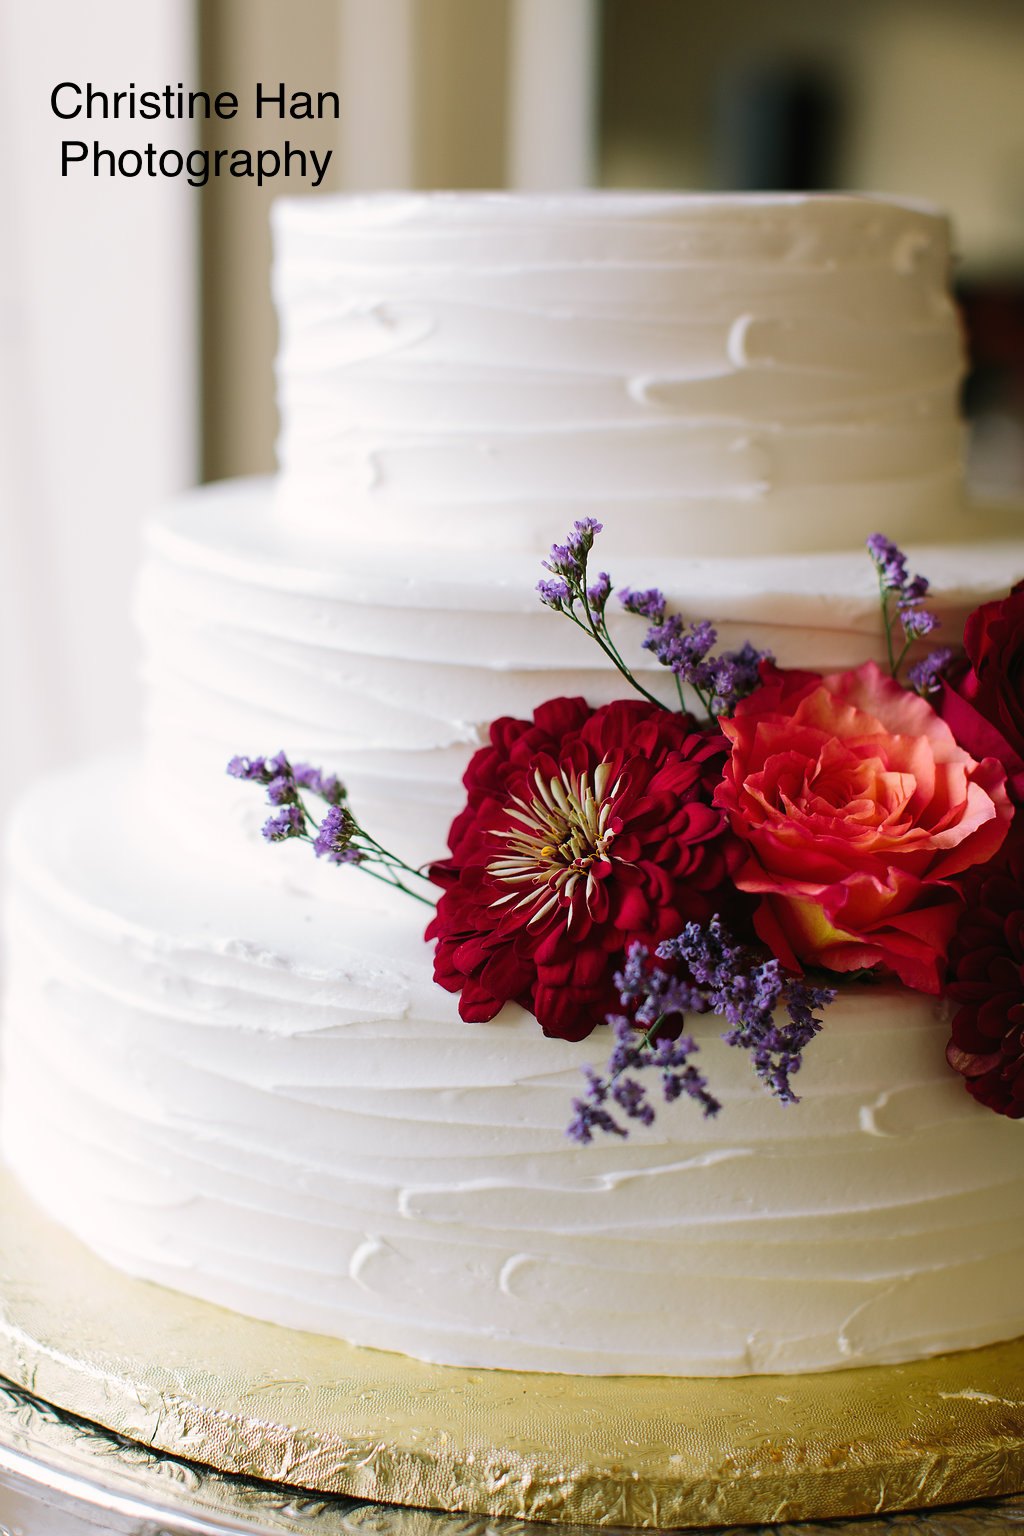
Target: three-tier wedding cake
(227, 1065)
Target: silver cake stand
(61, 1476)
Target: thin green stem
(364, 842)
(612, 648)
(384, 855)
(577, 588)
(646, 1042)
(887, 619)
(659, 1021)
(591, 628)
(395, 884)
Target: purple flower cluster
(554, 594)
(718, 681)
(906, 594)
(568, 590)
(571, 557)
(685, 649)
(681, 647)
(891, 564)
(653, 993)
(649, 604)
(713, 974)
(334, 839)
(568, 565)
(338, 837)
(599, 593)
(678, 1077)
(924, 675)
(283, 780)
(747, 991)
(289, 822)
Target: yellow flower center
(561, 833)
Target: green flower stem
(578, 589)
(375, 853)
(610, 646)
(391, 860)
(894, 665)
(646, 1043)
(590, 628)
(659, 1021)
(895, 662)
(397, 885)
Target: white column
(376, 85)
(552, 94)
(98, 370)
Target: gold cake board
(246, 1397)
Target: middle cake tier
(388, 668)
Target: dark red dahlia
(987, 970)
(982, 697)
(585, 830)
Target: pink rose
(859, 811)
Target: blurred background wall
(136, 317)
(98, 371)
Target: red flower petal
(987, 981)
(651, 852)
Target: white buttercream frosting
(704, 375)
(227, 1066)
(269, 1105)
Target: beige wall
(242, 41)
(933, 94)
(941, 116)
(461, 49)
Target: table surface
(61, 1476)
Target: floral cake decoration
(631, 865)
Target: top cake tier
(704, 375)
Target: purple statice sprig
(718, 681)
(717, 975)
(635, 1052)
(337, 836)
(902, 597)
(749, 990)
(583, 599)
(652, 997)
(925, 675)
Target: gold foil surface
(57, 1472)
(207, 1385)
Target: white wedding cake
(227, 1066)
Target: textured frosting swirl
(702, 374)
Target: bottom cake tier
(194, 1381)
(262, 1100)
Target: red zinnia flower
(987, 967)
(586, 830)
